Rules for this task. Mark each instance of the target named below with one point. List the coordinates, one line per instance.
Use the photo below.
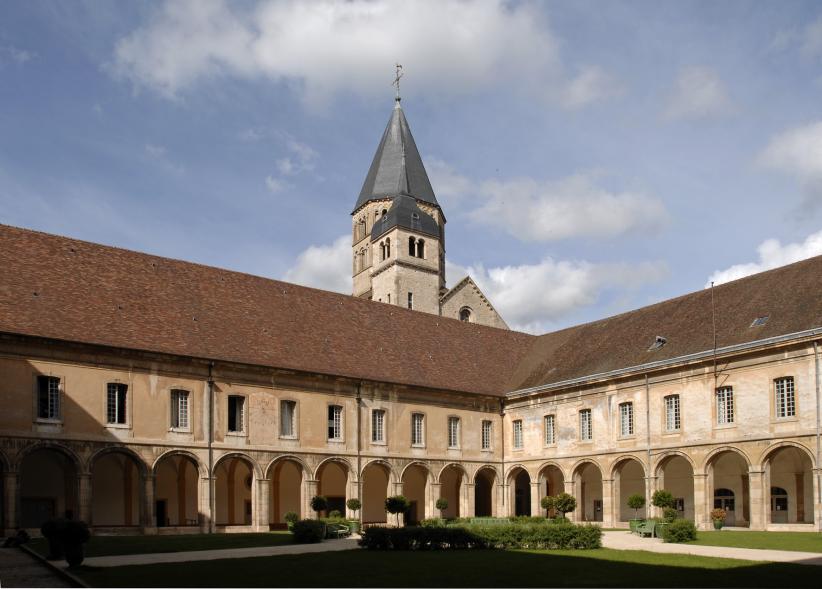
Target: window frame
(517, 434)
(454, 419)
(243, 431)
(294, 435)
(338, 422)
(175, 426)
(57, 416)
(125, 404)
(382, 441)
(631, 429)
(725, 404)
(586, 434)
(552, 418)
(677, 413)
(793, 404)
(489, 435)
(421, 443)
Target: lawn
(468, 568)
(115, 545)
(800, 541)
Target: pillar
(570, 488)
(757, 497)
(610, 507)
(701, 502)
(500, 501)
(263, 504)
(84, 497)
(817, 499)
(466, 508)
(436, 493)
(309, 491)
(149, 523)
(10, 491)
(208, 521)
(536, 508)
(471, 499)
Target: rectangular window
(334, 422)
(672, 415)
(517, 434)
(48, 397)
(626, 419)
(785, 398)
(179, 409)
(116, 402)
(453, 432)
(378, 426)
(410, 300)
(288, 419)
(724, 405)
(417, 429)
(550, 430)
(236, 413)
(586, 430)
(486, 435)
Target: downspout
(502, 455)
(359, 448)
(818, 426)
(212, 500)
(648, 432)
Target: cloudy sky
(591, 157)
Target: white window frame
(586, 426)
(549, 424)
(517, 434)
(453, 432)
(113, 404)
(418, 430)
(626, 419)
(292, 435)
(335, 430)
(673, 413)
(243, 415)
(485, 434)
(54, 398)
(784, 397)
(725, 406)
(378, 426)
(180, 410)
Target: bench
(646, 528)
(337, 531)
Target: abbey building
(150, 395)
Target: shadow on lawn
(469, 568)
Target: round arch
(48, 483)
(665, 457)
(453, 479)
(306, 471)
(768, 452)
(629, 478)
(117, 489)
(727, 468)
(716, 452)
(455, 465)
(201, 468)
(587, 477)
(486, 483)
(515, 467)
(255, 468)
(620, 461)
(788, 483)
(674, 472)
(139, 461)
(286, 475)
(392, 474)
(519, 490)
(416, 478)
(177, 475)
(482, 467)
(234, 475)
(336, 482)
(418, 463)
(49, 445)
(339, 461)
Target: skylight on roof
(760, 321)
(659, 341)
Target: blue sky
(591, 157)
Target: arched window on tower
(465, 314)
(421, 248)
(361, 228)
(382, 250)
(387, 247)
(415, 221)
(412, 247)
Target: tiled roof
(64, 289)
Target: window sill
(673, 432)
(49, 421)
(289, 438)
(236, 434)
(376, 443)
(785, 419)
(487, 450)
(118, 426)
(628, 438)
(418, 446)
(336, 442)
(179, 430)
(725, 425)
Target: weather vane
(396, 81)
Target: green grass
(116, 545)
(477, 568)
(799, 541)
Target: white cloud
(592, 84)
(572, 207)
(534, 298)
(302, 159)
(324, 266)
(798, 152)
(449, 185)
(455, 46)
(772, 254)
(12, 54)
(698, 93)
(155, 151)
(812, 39)
(275, 185)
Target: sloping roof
(790, 296)
(397, 167)
(60, 288)
(405, 213)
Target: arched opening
(452, 478)
(412, 247)
(629, 480)
(588, 487)
(790, 476)
(484, 494)
(421, 248)
(175, 483)
(382, 250)
(387, 247)
(551, 482)
(375, 478)
(116, 484)
(48, 487)
(465, 314)
(730, 487)
(233, 480)
(520, 484)
(415, 487)
(676, 475)
(286, 481)
(332, 479)
(2, 494)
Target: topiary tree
(291, 518)
(662, 499)
(397, 504)
(547, 504)
(442, 505)
(319, 503)
(565, 503)
(636, 502)
(354, 505)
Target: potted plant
(565, 503)
(635, 502)
(75, 534)
(664, 501)
(290, 518)
(354, 505)
(397, 504)
(442, 505)
(319, 503)
(718, 516)
(547, 504)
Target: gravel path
(18, 569)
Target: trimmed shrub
(436, 522)
(565, 503)
(354, 504)
(319, 503)
(636, 502)
(66, 538)
(308, 531)
(291, 518)
(396, 505)
(669, 514)
(681, 530)
(442, 505)
(528, 519)
(662, 499)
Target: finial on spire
(396, 82)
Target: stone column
(471, 499)
(651, 485)
(10, 491)
(263, 504)
(500, 506)
(208, 520)
(149, 519)
(610, 508)
(701, 502)
(436, 489)
(570, 488)
(757, 497)
(309, 490)
(817, 501)
(84, 498)
(536, 508)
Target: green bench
(337, 531)
(646, 528)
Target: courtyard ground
(799, 541)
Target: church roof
(397, 167)
(405, 213)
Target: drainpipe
(818, 425)
(502, 456)
(359, 448)
(212, 502)
(648, 434)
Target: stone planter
(718, 523)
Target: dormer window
(659, 341)
(465, 314)
(415, 221)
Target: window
(288, 419)
(417, 429)
(415, 221)
(486, 435)
(626, 419)
(116, 402)
(410, 300)
(517, 434)
(550, 431)
(387, 247)
(465, 314)
(785, 398)
(334, 422)
(378, 426)
(586, 430)
(725, 405)
(412, 247)
(453, 432)
(672, 416)
(48, 397)
(236, 413)
(179, 409)
(421, 248)
(389, 298)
